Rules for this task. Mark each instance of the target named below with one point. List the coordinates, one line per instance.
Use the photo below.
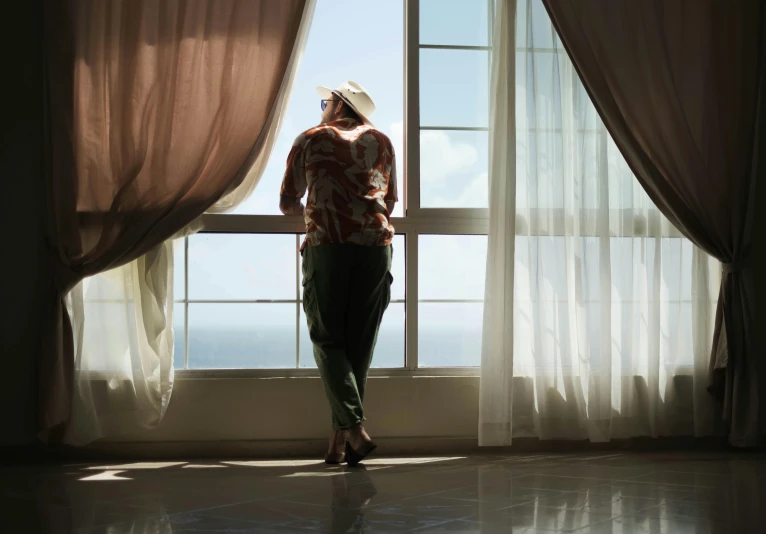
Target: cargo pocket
(388, 288)
(309, 297)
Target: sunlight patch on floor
(410, 461)
(276, 463)
(137, 465)
(105, 476)
(315, 474)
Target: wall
(251, 417)
(255, 416)
(295, 408)
(22, 208)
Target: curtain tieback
(64, 278)
(733, 266)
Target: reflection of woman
(349, 497)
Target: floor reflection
(479, 494)
(351, 493)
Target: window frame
(416, 221)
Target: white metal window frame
(417, 221)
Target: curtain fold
(598, 312)
(155, 111)
(496, 390)
(679, 86)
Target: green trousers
(346, 290)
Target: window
(450, 303)
(561, 145)
(426, 63)
(237, 284)
(454, 44)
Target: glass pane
(451, 266)
(625, 191)
(632, 286)
(454, 169)
(539, 170)
(380, 69)
(454, 88)
(538, 91)
(521, 23)
(306, 350)
(449, 334)
(389, 351)
(398, 268)
(533, 26)
(454, 22)
(178, 335)
(242, 266)
(241, 336)
(179, 252)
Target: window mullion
(297, 302)
(412, 105)
(411, 301)
(186, 302)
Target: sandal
(353, 458)
(334, 459)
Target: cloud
(455, 265)
(474, 195)
(439, 156)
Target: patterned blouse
(349, 169)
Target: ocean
(275, 348)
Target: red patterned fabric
(349, 170)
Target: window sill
(531, 222)
(436, 372)
(217, 374)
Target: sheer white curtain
(496, 401)
(612, 308)
(123, 318)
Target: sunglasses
(324, 103)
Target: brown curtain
(155, 109)
(679, 85)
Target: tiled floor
(585, 493)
